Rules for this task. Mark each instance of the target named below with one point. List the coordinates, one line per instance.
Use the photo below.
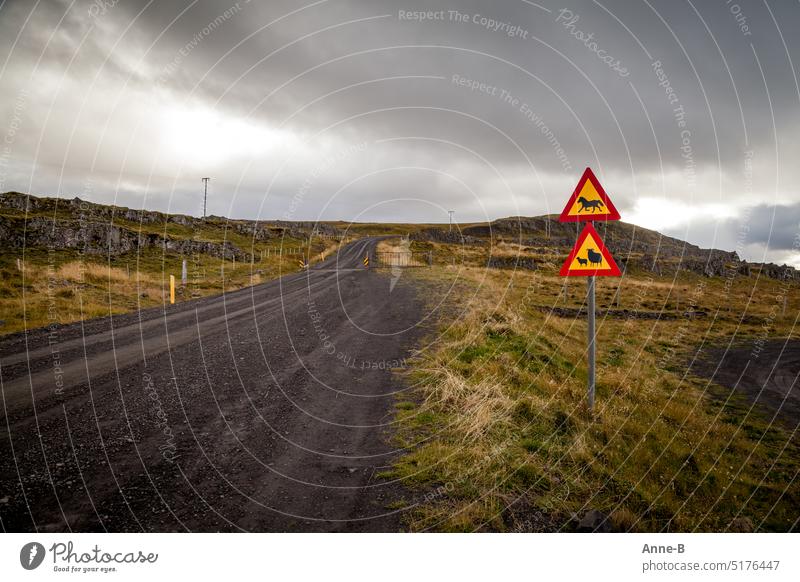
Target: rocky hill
(100, 229)
(28, 221)
(631, 245)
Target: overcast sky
(366, 110)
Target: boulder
(594, 521)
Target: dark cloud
(135, 101)
(777, 227)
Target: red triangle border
(612, 214)
(612, 271)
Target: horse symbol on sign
(589, 202)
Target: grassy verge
(499, 438)
(61, 286)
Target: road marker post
(172, 289)
(589, 257)
(366, 261)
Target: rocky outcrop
(17, 201)
(780, 272)
(648, 250)
(445, 236)
(527, 263)
(104, 229)
(714, 264)
(114, 230)
(104, 213)
(102, 238)
(262, 231)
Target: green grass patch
(502, 417)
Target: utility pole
(450, 212)
(205, 194)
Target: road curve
(264, 409)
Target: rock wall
(103, 213)
(527, 263)
(103, 239)
(445, 236)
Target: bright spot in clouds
(662, 213)
(200, 135)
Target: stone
(594, 521)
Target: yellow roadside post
(172, 289)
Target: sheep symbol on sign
(589, 257)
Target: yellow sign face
(588, 201)
(589, 257)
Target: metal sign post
(589, 257)
(592, 337)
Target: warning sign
(589, 201)
(589, 257)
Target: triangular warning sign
(589, 201)
(589, 257)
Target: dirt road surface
(767, 375)
(264, 409)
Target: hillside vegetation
(496, 429)
(494, 424)
(81, 260)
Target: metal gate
(403, 259)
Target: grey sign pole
(590, 305)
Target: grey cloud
(777, 227)
(578, 111)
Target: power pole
(205, 194)
(450, 212)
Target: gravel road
(766, 374)
(263, 409)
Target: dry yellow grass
(79, 272)
(56, 287)
(502, 398)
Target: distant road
(264, 409)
